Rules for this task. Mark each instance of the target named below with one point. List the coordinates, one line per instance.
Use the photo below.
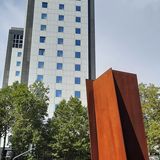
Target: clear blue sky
(127, 35)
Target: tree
(30, 109)
(150, 99)
(6, 117)
(70, 139)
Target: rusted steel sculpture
(115, 117)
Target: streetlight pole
(22, 154)
(91, 40)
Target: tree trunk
(4, 144)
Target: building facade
(14, 57)
(58, 49)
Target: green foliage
(70, 131)
(6, 116)
(23, 111)
(150, 99)
(30, 110)
(5, 110)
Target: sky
(127, 35)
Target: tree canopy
(150, 100)
(70, 131)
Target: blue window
(78, 31)
(77, 94)
(59, 79)
(44, 5)
(59, 53)
(59, 66)
(39, 77)
(60, 29)
(78, 19)
(41, 52)
(77, 42)
(44, 16)
(77, 54)
(18, 63)
(77, 67)
(19, 54)
(61, 6)
(42, 39)
(43, 27)
(77, 80)
(17, 73)
(60, 41)
(40, 64)
(61, 18)
(78, 8)
(58, 93)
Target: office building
(58, 49)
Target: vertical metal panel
(115, 111)
(109, 131)
(92, 120)
(131, 115)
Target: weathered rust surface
(131, 115)
(116, 124)
(92, 121)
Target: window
(60, 29)
(77, 54)
(19, 54)
(59, 66)
(77, 67)
(78, 19)
(40, 64)
(59, 53)
(59, 79)
(17, 73)
(17, 41)
(61, 18)
(77, 80)
(41, 52)
(44, 16)
(18, 63)
(43, 27)
(77, 42)
(78, 8)
(77, 94)
(42, 39)
(61, 6)
(44, 5)
(60, 41)
(58, 93)
(39, 77)
(78, 31)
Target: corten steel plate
(115, 117)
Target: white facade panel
(51, 46)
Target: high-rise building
(14, 57)
(58, 49)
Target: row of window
(60, 17)
(60, 29)
(60, 41)
(60, 53)
(61, 6)
(77, 94)
(77, 80)
(59, 66)
(58, 80)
